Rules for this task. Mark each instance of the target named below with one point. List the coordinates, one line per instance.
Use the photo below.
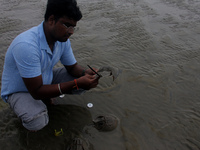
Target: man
(29, 78)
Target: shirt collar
(43, 42)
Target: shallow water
(156, 96)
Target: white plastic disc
(89, 105)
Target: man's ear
(51, 20)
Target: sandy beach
(155, 44)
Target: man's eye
(67, 25)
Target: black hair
(61, 8)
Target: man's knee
(33, 113)
(37, 123)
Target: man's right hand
(87, 82)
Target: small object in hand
(89, 105)
(94, 71)
(58, 133)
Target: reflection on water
(156, 96)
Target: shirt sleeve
(27, 60)
(67, 57)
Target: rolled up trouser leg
(33, 113)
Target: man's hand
(90, 72)
(88, 81)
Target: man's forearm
(75, 70)
(54, 90)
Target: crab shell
(105, 122)
(78, 144)
(114, 72)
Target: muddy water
(156, 96)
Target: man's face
(63, 29)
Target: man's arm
(77, 71)
(39, 91)
(86, 77)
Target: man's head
(63, 8)
(60, 19)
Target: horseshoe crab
(78, 144)
(101, 123)
(105, 122)
(114, 72)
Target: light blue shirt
(29, 56)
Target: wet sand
(156, 96)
